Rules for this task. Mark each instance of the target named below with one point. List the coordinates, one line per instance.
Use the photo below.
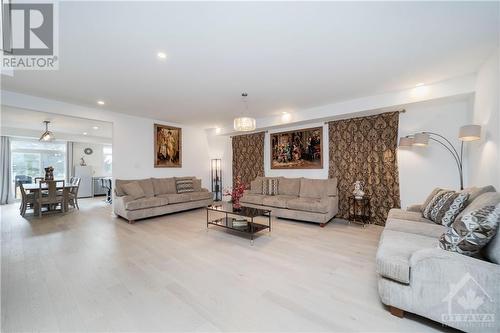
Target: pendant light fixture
(47, 135)
(244, 123)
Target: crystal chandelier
(244, 124)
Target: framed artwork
(299, 149)
(168, 146)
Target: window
(30, 157)
(107, 156)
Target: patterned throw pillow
(184, 185)
(428, 210)
(472, 232)
(451, 208)
(270, 186)
(445, 206)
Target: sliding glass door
(30, 157)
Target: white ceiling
(22, 119)
(286, 55)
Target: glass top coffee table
(241, 220)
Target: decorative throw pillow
(270, 186)
(451, 208)
(134, 190)
(184, 185)
(430, 197)
(472, 232)
(256, 186)
(428, 210)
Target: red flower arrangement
(236, 192)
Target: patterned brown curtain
(248, 157)
(365, 149)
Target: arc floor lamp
(466, 133)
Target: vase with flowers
(236, 192)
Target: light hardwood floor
(90, 271)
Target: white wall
(95, 160)
(484, 155)
(132, 139)
(421, 169)
(221, 147)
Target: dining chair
(38, 179)
(52, 196)
(73, 192)
(27, 200)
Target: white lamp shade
(469, 133)
(421, 139)
(405, 141)
(244, 124)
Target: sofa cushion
(252, 198)
(256, 185)
(472, 232)
(289, 186)
(279, 201)
(176, 198)
(146, 184)
(480, 197)
(197, 184)
(310, 204)
(145, 203)
(475, 192)
(413, 227)
(401, 214)
(134, 190)
(164, 185)
(184, 185)
(313, 188)
(395, 250)
(201, 195)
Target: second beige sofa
(160, 197)
(312, 200)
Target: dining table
(35, 188)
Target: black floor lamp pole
(453, 151)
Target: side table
(359, 210)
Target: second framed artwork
(168, 146)
(298, 149)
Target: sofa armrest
(414, 208)
(119, 203)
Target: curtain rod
(399, 111)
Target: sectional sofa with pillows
(441, 259)
(142, 198)
(312, 200)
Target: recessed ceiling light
(162, 55)
(85, 133)
(95, 128)
(419, 84)
(100, 102)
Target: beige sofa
(312, 200)
(417, 276)
(161, 197)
